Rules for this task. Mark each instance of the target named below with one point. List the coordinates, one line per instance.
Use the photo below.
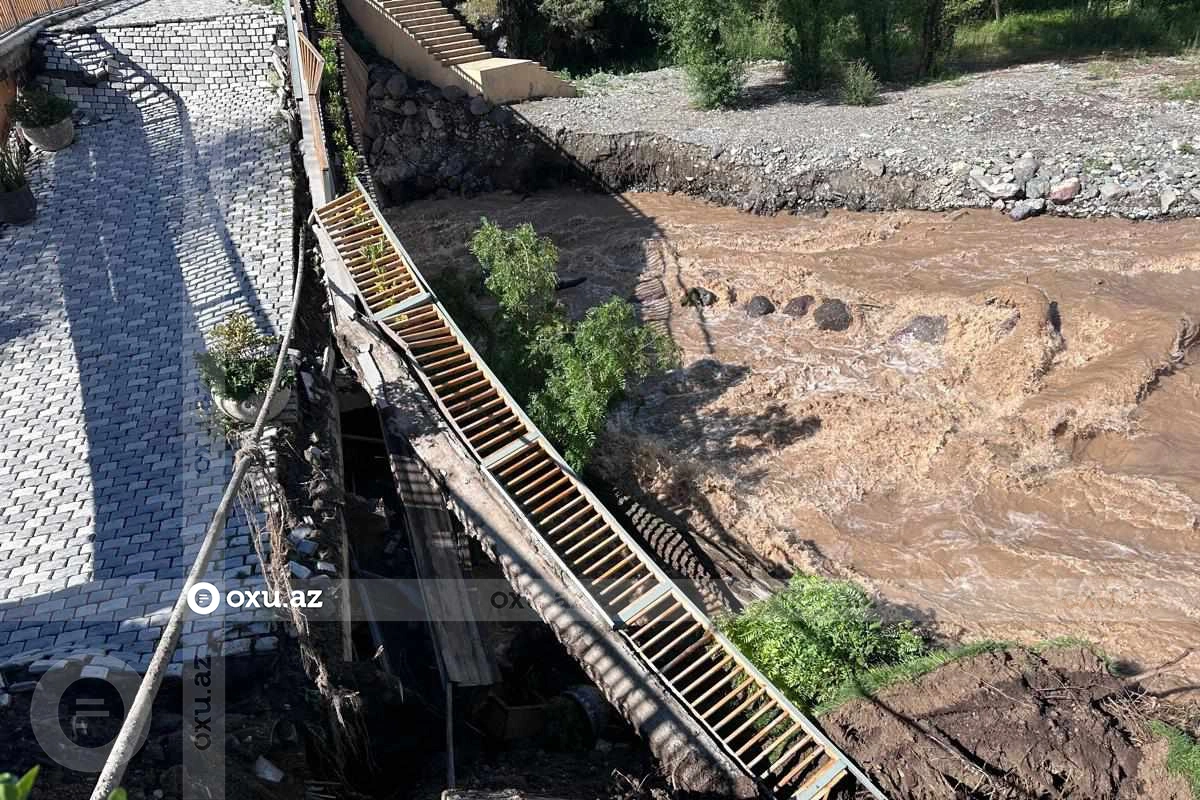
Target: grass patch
(1184, 90)
(1183, 754)
(1055, 33)
(876, 680)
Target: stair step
(454, 51)
(427, 27)
(465, 59)
(412, 17)
(457, 49)
(442, 39)
(403, 7)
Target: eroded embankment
(1021, 463)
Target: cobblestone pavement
(151, 227)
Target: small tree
(589, 369)
(566, 375)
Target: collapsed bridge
(714, 721)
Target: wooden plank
(464, 655)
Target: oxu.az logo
(205, 598)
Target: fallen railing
(753, 722)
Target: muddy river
(1024, 463)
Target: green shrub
(241, 361)
(715, 83)
(859, 85)
(1183, 754)
(818, 635)
(12, 168)
(697, 41)
(37, 108)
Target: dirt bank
(1068, 733)
(1022, 464)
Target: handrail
(303, 57)
(352, 224)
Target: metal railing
(752, 721)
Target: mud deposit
(1065, 733)
(1029, 469)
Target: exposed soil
(1027, 472)
(1007, 725)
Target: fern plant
(241, 360)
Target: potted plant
(45, 118)
(17, 203)
(237, 368)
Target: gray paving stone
(151, 228)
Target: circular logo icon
(88, 709)
(203, 598)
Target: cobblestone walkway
(152, 226)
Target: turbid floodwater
(1023, 463)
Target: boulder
(923, 328)
(435, 119)
(1024, 169)
(698, 296)
(480, 106)
(832, 315)
(377, 91)
(453, 93)
(1066, 191)
(1167, 199)
(1112, 191)
(397, 86)
(873, 166)
(409, 109)
(1024, 209)
(799, 306)
(1036, 188)
(759, 306)
(998, 190)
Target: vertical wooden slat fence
(312, 67)
(752, 721)
(17, 12)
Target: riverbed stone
(1024, 169)
(1167, 199)
(1036, 188)
(832, 315)
(759, 306)
(1065, 191)
(699, 296)
(923, 328)
(799, 306)
(1112, 191)
(1024, 209)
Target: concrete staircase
(425, 40)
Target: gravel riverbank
(1096, 138)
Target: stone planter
(19, 207)
(247, 410)
(53, 137)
